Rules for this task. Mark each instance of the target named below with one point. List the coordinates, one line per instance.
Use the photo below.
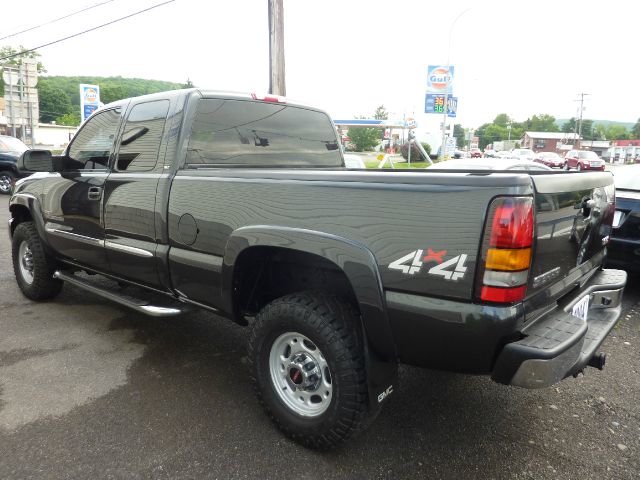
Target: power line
(86, 31)
(56, 20)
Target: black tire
(7, 179)
(40, 284)
(332, 325)
(579, 167)
(566, 166)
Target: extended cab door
(72, 202)
(130, 193)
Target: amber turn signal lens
(507, 259)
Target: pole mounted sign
(440, 79)
(435, 104)
(89, 100)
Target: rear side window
(141, 137)
(245, 133)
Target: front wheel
(566, 166)
(579, 167)
(32, 266)
(307, 368)
(7, 179)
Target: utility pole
(276, 48)
(579, 126)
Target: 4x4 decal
(452, 269)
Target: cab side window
(141, 137)
(93, 144)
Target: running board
(134, 303)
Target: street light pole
(446, 88)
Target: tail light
(506, 250)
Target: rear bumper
(559, 344)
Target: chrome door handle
(94, 193)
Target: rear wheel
(579, 167)
(307, 368)
(7, 180)
(566, 165)
(32, 266)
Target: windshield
(627, 178)
(12, 144)
(588, 155)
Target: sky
(348, 57)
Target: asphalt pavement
(89, 389)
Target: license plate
(581, 309)
(617, 216)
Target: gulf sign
(439, 79)
(89, 100)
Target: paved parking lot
(91, 390)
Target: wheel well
(19, 214)
(263, 274)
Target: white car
(353, 161)
(523, 154)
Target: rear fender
(358, 264)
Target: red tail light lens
(506, 250)
(512, 225)
(503, 295)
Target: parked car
(489, 164)
(624, 246)
(523, 153)
(550, 159)
(353, 161)
(246, 210)
(475, 153)
(583, 160)
(10, 150)
(490, 153)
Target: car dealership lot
(90, 389)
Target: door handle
(94, 193)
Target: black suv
(10, 149)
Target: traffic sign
(435, 104)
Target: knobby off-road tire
(307, 367)
(33, 268)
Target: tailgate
(574, 213)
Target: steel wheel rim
(25, 260)
(300, 375)
(5, 183)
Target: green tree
(381, 113)
(600, 132)
(364, 138)
(635, 131)
(113, 92)
(54, 102)
(458, 133)
(586, 130)
(569, 126)
(617, 132)
(541, 123)
(16, 59)
(502, 119)
(70, 119)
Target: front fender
(358, 264)
(32, 205)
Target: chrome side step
(135, 304)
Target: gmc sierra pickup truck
(241, 205)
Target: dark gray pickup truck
(242, 206)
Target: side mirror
(36, 161)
